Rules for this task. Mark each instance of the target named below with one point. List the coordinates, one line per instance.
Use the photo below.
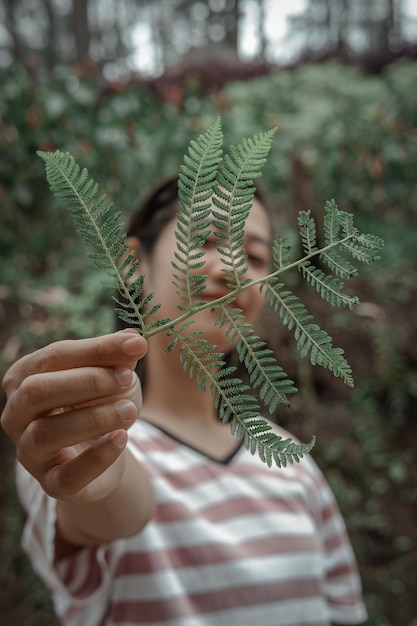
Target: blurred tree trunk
(163, 22)
(81, 29)
(395, 18)
(381, 28)
(342, 26)
(51, 49)
(230, 17)
(261, 30)
(328, 26)
(183, 25)
(58, 31)
(12, 29)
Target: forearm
(122, 513)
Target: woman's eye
(257, 260)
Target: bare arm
(68, 408)
(124, 512)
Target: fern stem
(232, 294)
(296, 264)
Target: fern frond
(236, 405)
(281, 249)
(233, 197)
(263, 369)
(203, 182)
(260, 438)
(331, 222)
(346, 224)
(308, 234)
(364, 248)
(332, 235)
(329, 287)
(336, 263)
(311, 340)
(101, 231)
(195, 187)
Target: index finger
(122, 348)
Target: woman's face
(158, 271)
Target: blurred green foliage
(341, 134)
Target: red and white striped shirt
(232, 543)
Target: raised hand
(68, 407)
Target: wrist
(119, 513)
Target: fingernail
(124, 376)
(133, 346)
(126, 410)
(118, 438)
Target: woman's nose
(216, 265)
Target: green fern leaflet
(215, 192)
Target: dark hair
(155, 211)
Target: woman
(179, 525)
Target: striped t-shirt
(232, 543)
